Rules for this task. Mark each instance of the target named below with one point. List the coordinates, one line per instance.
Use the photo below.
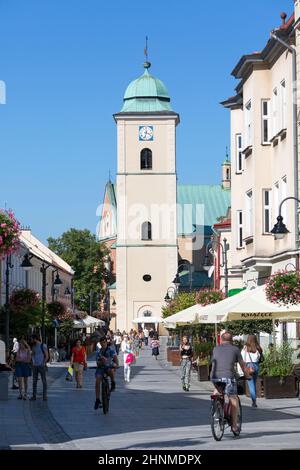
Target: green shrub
(278, 362)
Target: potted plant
(203, 351)
(9, 233)
(283, 288)
(277, 372)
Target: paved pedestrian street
(151, 412)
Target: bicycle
(221, 413)
(105, 389)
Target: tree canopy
(81, 250)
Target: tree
(182, 301)
(248, 327)
(81, 250)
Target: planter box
(259, 388)
(273, 388)
(173, 356)
(203, 373)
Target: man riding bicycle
(225, 356)
(107, 363)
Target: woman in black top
(186, 354)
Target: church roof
(201, 205)
(146, 94)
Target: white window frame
(275, 123)
(239, 153)
(249, 213)
(265, 118)
(239, 229)
(267, 211)
(248, 123)
(282, 112)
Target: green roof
(146, 94)
(201, 205)
(200, 280)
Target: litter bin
(4, 379)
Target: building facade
(264, 160)
(32, 279)
(153, 227)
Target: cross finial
(146, 50)
(147, 64)
(109, 174)
(226, 152)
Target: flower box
(280, 387)
(173, 356)
(203, 373)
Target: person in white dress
(126, 348)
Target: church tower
(146, 201)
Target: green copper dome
(146, 94)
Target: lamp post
(167, 296)
(207, 264)
(9, 266)
(56, 284)
(279, 230)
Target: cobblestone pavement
(151, 412)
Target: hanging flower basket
(283, 288)
(9, 233)
(209, 296)
(22, 300)
(56, 309)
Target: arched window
(228, 174)
(146, 231)
(146, 159)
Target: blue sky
(66, 65)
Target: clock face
(146, 133)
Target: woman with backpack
(252, 355)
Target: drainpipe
(295, 129)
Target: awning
(147, 320)
(87, 322)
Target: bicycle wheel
(105, 396)
(217, 419)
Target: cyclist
(225, 356)
(107, 362)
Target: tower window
(146, 231)
(146, 159)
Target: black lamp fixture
(176, 280)
(114, 302)
(279, 230)
(207, 263)
(167, 297)
(58, 281)
(26, 263)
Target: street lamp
(56, 284)
(207, 264)
(168, 298)
(9, 266)
(279, 230)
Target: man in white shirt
(146, 335)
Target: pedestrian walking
(126, 348)
(186, 354)
(40, 357)
(252, 355)
(14, 351)
(155, 346)
(23, 368)
(78, 362)
(151, 334)
(118, 341)
(146, 336)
